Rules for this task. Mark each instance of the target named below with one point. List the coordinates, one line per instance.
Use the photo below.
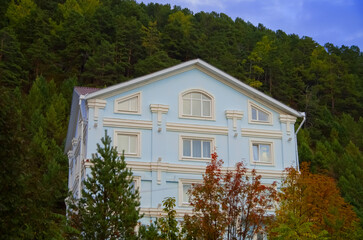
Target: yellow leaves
(314, 198)
(82, 7)
(254, 83)
(16, 12)
(182, 19)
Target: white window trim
(212, 113)
(125, 98)
(138, 147)
(195, 137)
(254, 105)
(137, 181)
(271, 143)
(183, 181)
(255, 236)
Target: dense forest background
(49, 46)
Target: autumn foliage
(311, 207)
(229, 204)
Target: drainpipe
(81, 97)
(298, 129)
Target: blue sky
(336, 21)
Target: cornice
(193, 128)
(193, 169)
(158, 212)
(99, 103)
(248, 132)
(284, 118)
(159, 108)
(127, 123)
(230, 114)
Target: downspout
(298, 129)
(81, 97)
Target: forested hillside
(49, 46)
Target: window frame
(272, 152)
(126, 98)
(195, 137)
(181, 183)
(129, 133)
(137, 182)
(200, 91)
(259, 108)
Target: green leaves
(109, 206)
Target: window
(197, 148)
(136, 183)
(261, 152)
(259, 236)
(258, 114)
(129, 104)
(128, 142)
(184, 186)
(196, 104)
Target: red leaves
(232, 203)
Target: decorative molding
(158, 212)
(74, 142)
(125, 98)
(127, 123)
(70, 154)
(288, 119)
(96, 104)
(159, 170)
(248, 132)
(159, 109)
(193, 169)
(193, 128)
(234, 115)
(137, 181)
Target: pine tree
(109, 206)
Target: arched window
(197, 104)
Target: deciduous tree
(233, 204)
(311, 208)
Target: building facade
(169, 122)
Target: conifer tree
(109, 206)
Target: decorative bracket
(159, 109)
(96, 104)
(288, 119)
(234, 115)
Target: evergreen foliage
(46, 47)
(165, 227)
(109, 206)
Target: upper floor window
(261, 152)
(196, 148)
(258, 114)
(130, 104)
(197, 104)
(185, 185)
(129, 142)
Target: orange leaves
(231, 204)
(313, 200)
